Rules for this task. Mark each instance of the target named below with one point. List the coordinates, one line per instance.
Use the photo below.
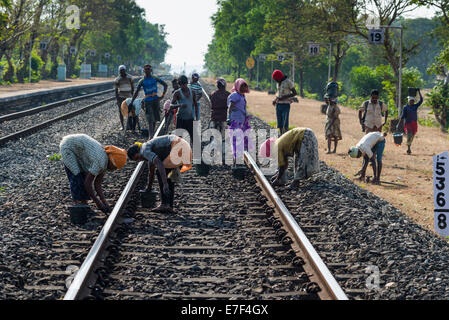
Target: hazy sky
(190, 30)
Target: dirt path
(411, 175)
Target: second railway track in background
(23, 130)
(224, 242)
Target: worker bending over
(166, 153)
(371, 146)
(86, 161)
(300, 143)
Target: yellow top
(288, 143)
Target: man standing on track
(86, 161)
(164, 153)
(219, 107)
(124, 88)
(188, 106)
(197, 90)
(286, 90)
(151, 100)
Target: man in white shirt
(370, 114)
(371, 146)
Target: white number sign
(72, 50)
(262, 57)
(107, 55)
(314, 49)
(441, 192)
(376, 36)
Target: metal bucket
(148, 199)
(78, 214)
(202, 169)
(397, 137)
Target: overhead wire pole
(330, 63)
(399, 93)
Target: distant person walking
(285, 91)
(371, 112)
(197, 90)
(187, 108)
(238, 117)
(410, 116)
(332, 127)
(219, 107)
(151, 100)
(124, 88)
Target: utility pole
(31, 50)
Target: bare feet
(329, 152)
(362, 179)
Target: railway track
(20, 128)
(223, 243)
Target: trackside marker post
(441, 191)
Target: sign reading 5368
(441, 193)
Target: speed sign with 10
(314, 49)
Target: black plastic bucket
(148, 199)
(239, 172)
(202, 169)
(397, 137)
(144, 133)
(324, 108)
(78, 214)
(412, 92)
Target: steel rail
(332, 290)
(20, 114)
(26, 132)
(85, 276)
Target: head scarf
(221, 81)
(122, 67)
(266, 148)
(353, 152)
(411, 98)
(195, 76)
(278, 75)
(237, 84)
(117, 156)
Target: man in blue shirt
(410, 115)
(151, 100)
